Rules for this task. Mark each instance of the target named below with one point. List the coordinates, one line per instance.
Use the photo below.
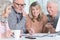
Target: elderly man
(16, 18)
(53, 16)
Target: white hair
(54, 1)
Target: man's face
(52, 8)
(19, 4)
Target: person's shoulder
(28, 17)
(44, 15)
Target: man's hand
(48, 25)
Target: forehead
(19, 1)
(37, 6)
(51, 4)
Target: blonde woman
(4, 22)
(36, 19)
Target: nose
(35, 11)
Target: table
(55, 37)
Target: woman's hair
(5, 11)
(5, 8)
(30, 11)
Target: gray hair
(53, 1)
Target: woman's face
(35, 11)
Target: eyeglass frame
(19, 4)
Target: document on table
(36, 35)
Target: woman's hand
(31, 31)
(9, 33)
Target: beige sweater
(38, 26)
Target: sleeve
(44, 19)
(11, 21)
(28, 23)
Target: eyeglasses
(20, 4)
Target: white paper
(58, 26)
(16, 33)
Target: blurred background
(43, 3)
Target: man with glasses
(16, 18)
